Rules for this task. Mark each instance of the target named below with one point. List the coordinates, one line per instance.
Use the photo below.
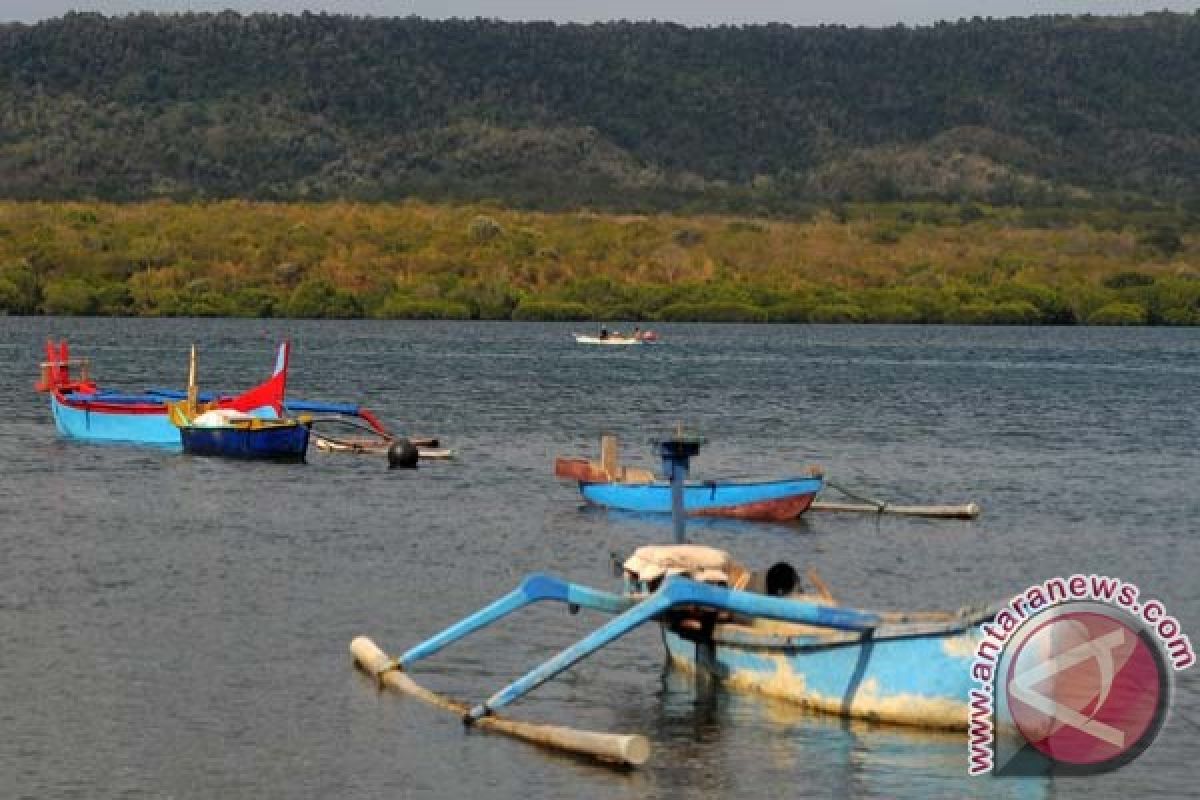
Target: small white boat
(646, 337)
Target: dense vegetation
(1036, 171)
(859, 263)
(621, 116)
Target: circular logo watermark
(1086, 686)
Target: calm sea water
(178, 627)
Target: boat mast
(192, 390)
(677, 453)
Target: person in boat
(637, 333)
(604, 333)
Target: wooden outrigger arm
(612, 748)
(677, 591)
(534, 588)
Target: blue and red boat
(208, 430)
(83, 410)
(629, 489)
(231, 434)
(777, 500)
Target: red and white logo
(1087, 688)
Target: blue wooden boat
(82, 410)
(908, 668)
(609, 485)
(756, 631)
(214, 431)
(262, 439)
(111, 417)
(904, 668)
(770, 500)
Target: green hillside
(621, 116)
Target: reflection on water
(807, 754)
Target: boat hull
(273, 443)
(129, 422)
(82, 410)
(773, 500)
(146, 424)
(921, 681)
(610, 340)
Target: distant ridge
(619, 116)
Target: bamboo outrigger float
(757, 632)
(373, 442)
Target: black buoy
(403, 455)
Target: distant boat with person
(607, 337)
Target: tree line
(894, 263)
(641, 117)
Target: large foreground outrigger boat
(757, 631)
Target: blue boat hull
(773, 500)
(275, 443)
(151, 427)
(920, 680)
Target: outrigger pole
(619, 749)
(614, 748)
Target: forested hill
(636, 116)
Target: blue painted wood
(893, 676)
(697, 497)
(283, 442)
(149, 429)
(535, 588)
(679, 591)
(153, 428)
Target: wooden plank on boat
(579, 469)
(609, 460)
(330, 444)
(358, 445)
(611, 748)
(968, 511)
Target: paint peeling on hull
(910, 710)
(847, 680)
(780, 510)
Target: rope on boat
(880, 506)
(351, 423)
(391, 665)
